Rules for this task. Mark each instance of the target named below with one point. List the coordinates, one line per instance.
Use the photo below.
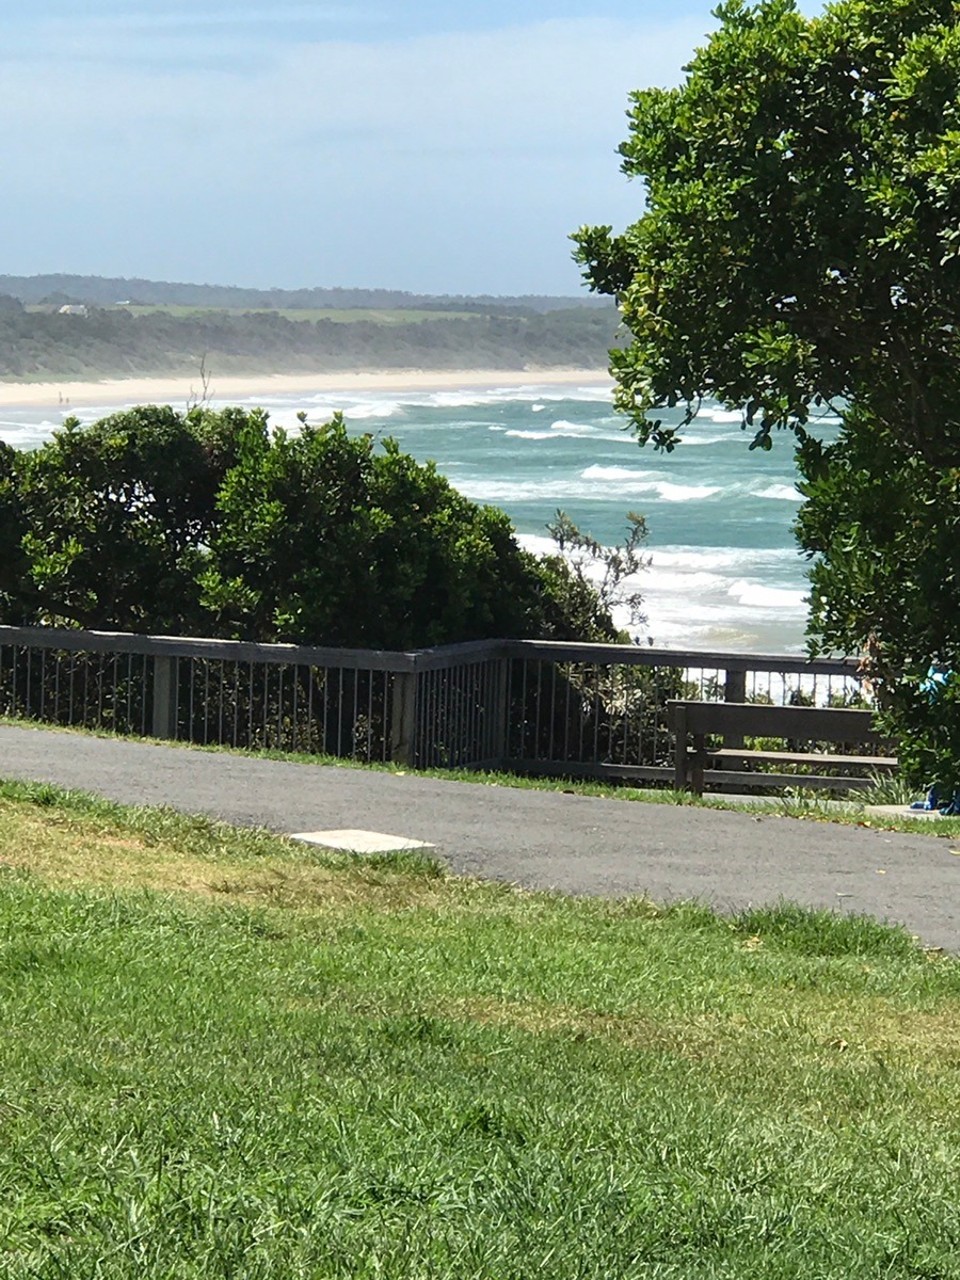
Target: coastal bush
(213, 523)
(799, 254)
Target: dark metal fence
(529, 706)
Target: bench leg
(696, 773)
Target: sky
(430, 146)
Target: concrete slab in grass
(901, 811)
(349, 841)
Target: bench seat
(697, 766)
(855, 763)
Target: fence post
(165, 697)
(403, 721)
(735, 687)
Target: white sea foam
(574, 430)
(690, 601)
(758, 596)
(558, 431)
(503, 491)
(781, 492)
(531, 393)
(627, 480)
(364, 412)
(717, 414)
(597, 472)
(685, 559)
(690, 440)
(669, 492)
(538, 544)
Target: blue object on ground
(929, 802)
(948, 808)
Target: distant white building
(73, 309)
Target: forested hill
(104, 291)
(124, 342)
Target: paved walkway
(540, 839)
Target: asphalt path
(539, 839)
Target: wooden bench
(731, 764)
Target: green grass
(227, 1055)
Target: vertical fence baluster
(311, 744)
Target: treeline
(119, 343)
(104, 291)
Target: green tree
(800, 248)
(115, 519)
(327, 537)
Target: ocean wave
(757, 596)
(699, 597)
(689, 440)
(710, 414)
(558, 431)
(504, 491)
(597, 472)
(581, 429)
(680, 558)
(781, 493)
(364, 411)
(669, 492)
(389, 403)
(626, 480)
(532, 393)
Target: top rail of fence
(559, 651)
(246, 651)
(695, 659)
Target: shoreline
(176, 390)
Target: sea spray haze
(724, 573)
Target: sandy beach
(177, 391)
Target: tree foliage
(801, 248)
(213, 523)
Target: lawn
(227, 1055)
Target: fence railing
(532, 706)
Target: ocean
(724, 571)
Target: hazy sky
(413, 144)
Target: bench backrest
(828, 724)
